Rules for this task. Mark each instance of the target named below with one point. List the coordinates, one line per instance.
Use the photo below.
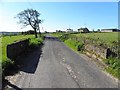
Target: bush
(6, 64)
(80, 47)
(113, 66)
(35, 42)
(114, 63)
(64, 37)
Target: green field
(8, 40)
(107, 38)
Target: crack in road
(70, 71)
(63, 62)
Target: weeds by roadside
(113, 66)
(35, 42)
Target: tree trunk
(35, 33)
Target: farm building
(110, 30)
(60, 31)
(69, 30)
(83, 30)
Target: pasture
(108, 38)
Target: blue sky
(62, 15)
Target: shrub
(35, 42)
(80, 47)
(113, 66)
(64, 37)
(6, 64)
(114, 63)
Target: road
(57, 66)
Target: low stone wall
(17, 48)
(97, 51)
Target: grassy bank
(74, 45)
(113, 66)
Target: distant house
(60, 31)
(69, 30)
(110, 30)
(83, 30)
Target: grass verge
(113, 66)
(74, 45)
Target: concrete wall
(17, 48)
(97, 51)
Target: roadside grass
(113, 66)
(74, 45)
(113, 72)
(71, 44)
(35, 42)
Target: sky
(61, 15)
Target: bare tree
(30, 17)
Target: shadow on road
(26, 62)
(12, 86)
